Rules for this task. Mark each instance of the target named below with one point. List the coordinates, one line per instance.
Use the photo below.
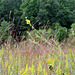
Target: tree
(9, 5)
(55, 11)
(31, 7)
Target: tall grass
(37, 55)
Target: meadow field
(37, 57)
(37, 37)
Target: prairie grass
(38, 56)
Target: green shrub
(3, 33)
(60, 33)
(72, 30)
(49, 33)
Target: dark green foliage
(50, 33)
(47, 12)
(73, 26)
(31, 7)
(3, 32)
(4, 24)
(10, 11)
(54, 14)
(53, 11)
(24, 28)
(8, 5)
(61, 33)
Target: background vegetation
(42, 14)
(37, 37)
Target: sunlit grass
(37, 56)
(28, 58)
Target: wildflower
(21, 71)
(50, 61)
(27, 21)
(25, 71)
(5, 44)
(29, 68)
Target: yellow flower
(25, 71)
(5, 44)
(30, 68)
(27, 21)
(21, 71)
(50, 61)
